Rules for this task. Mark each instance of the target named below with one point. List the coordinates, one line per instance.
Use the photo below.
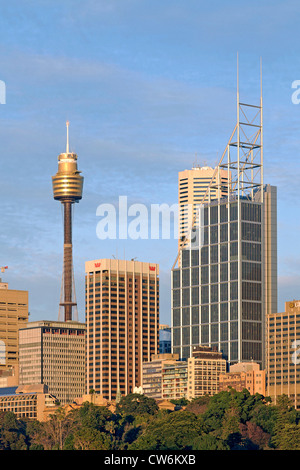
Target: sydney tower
(67, 188)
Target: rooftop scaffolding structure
(242, 158)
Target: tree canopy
(229, 420)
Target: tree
(209, 442)
(230, 422)
(87, 438)
(255, 434)
(288, 438)
(265, 417)
(91, 415)
(135, 404)
(12, 432)
(198, 405)
(286, 432)
(180, 402)
(52, 434)
(93, 428)
(175, 431)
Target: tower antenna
(67, 148)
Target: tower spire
(67, 148)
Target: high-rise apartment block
(174, 380)
(165, 377)
(152, 374)
(204, 369)
(13, 316)
(194, 188)
(283, 355)
(122, 318)
(53, 353)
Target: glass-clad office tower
(226, 280)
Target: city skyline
(139, 112)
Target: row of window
(228, 212)
(216, 312)
(214, 273)
(220, 253)
(226, 291)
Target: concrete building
(192, 188)
(13, 316)
(122, 317)
(174, 380)
(204, 369)
(283, 363)
(53, 353)
(244, 375)
(27, 402)
(152, 374)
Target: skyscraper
(67, 188)
(226, 281)
(122, 318)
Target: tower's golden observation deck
(67, 183)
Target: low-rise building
(244, 375)
(27, 401)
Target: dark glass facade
(217, 292)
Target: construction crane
(3, 268)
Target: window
(176, 278)
(195, 276)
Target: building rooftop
(8, 391)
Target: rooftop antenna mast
(242, 157)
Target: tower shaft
(68, 261)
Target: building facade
(245, 375)
(204, 369)
(174, 380)
(13, 316)
(122, 318)
(53, 353)
(192, 190)
(152, 374)
(164, 339)
(226, 282)
(283, 363)
(27, 402)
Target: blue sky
(146, 86)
